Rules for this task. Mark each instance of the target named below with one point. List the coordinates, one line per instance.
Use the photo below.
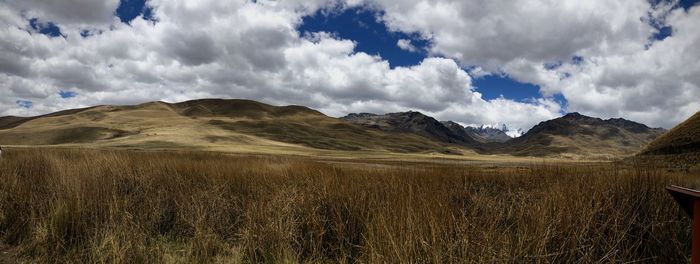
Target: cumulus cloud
(660, 84)
(245, 49)
(493, 33)
(623, 72)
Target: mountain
(250, 126)
(510, 132)
(207, 124)
(576, 135)
(488, 134)
(684, 139)
(483, 134)
(411, 122)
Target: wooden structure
(689, 200)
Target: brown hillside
(576, 135)
(682, 139)
(207, 124)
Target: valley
(339, 131)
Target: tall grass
(68, 206)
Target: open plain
(124, 206)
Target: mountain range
(573, 135)
(482, 134)
(250, 126)
(576, 135)
(418, 123)
(411, 122)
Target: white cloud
(252, 50)
(493, 33)
(620, 76)
(405, 44)
(658, 85)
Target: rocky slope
(481, 134)
(414, 123)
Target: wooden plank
(695, 251)
(689, 200)
(685, 197)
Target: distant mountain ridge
(411, 122)
(482, 134)
(416, 122)
(245, 125)
(571, 136)
(510, 132)
(579, 135)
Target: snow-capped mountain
(510, 132)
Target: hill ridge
(411, 122)
(681, 139)
(238, 124)
(575, 134)
(242, 124)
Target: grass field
(79, 206)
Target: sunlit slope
(209, 124)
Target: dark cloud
(191, 48)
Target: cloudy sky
(515, 62)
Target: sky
(512, 62)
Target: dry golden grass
(683, 138)
(96, 206)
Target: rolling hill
(575, 135)
(207, 124)
(248, 126)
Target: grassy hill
(682, 139)
(247, 126)
(207, 124)
(679, 148)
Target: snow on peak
(511, 132)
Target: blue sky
(371, 36)
(48, 28)
(130, 9)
